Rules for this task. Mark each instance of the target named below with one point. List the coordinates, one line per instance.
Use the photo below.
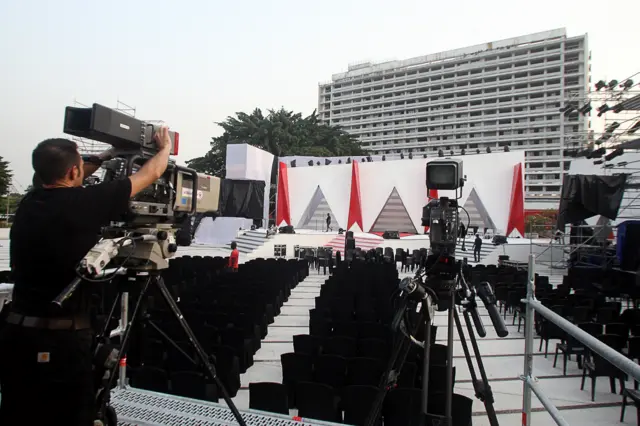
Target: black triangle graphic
(478, 215)
(315, 215)
(394, 216)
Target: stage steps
(249, 241)
(365, 243)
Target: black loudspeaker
(391, 235)
(286, 230)
(628, 238)
(349, 234)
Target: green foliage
(5, 177)
(13, 199)
(282, 133)
(543, 222)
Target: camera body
(157, 212)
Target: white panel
(490, 174)
(246, 162)
(221, 231)
(333, 180)
(236, 161)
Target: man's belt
(48, 323)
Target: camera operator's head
(58, 164)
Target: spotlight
(401, 156)
(618, 108)
(349, 160)
(310, 163)
(600, 85)
(568, 110)
(368, 158)
(634, 128)
(463, 152)
(612, 84)
(410, 156)
(627, 84)
(598, 162)
(612, 127)
(597, 153)
(488, 150)
(603, 108)
(506, 148)
(586, 108)
(293, 163)
(327, 161)
(608, 166)
(616, 153)
(440, 153)
(317, 163)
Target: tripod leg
(124, 345)
(487, 393)
(199, 349)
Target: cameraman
(45, 354)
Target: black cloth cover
(242, 198)
(584, 196)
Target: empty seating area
(335, 370)
(229, 314)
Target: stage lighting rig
(602, 109)
(600, 85)
(586, 108)
(615, 153)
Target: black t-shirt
(53, 230)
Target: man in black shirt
(328, 220)
(45, 354)
(477, 246)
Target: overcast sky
(193, 63)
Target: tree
(282, 133)
(5, 177)
(542, 223)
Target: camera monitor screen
(443, 175)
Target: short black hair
(233, 245)
(53, 158)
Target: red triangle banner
(355, 206)
(516, 210)
(283, 211)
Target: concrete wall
(4, 233)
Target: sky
(194, 63)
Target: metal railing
(529, 381)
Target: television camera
(141, 242)
(441, 284)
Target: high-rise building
(500, 95)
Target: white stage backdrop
(246, 162)
(491, 175)
(221, 231)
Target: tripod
(446, 300)
(144, 280)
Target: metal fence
(529, 382)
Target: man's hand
(162, 138)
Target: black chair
(308, 345)
(373, 348)
(317, 401)
(330, 370)
(151, 378)
(402, 407)
(357, 402)
(407, 377)
(339, 345)
(271, 397)
(295, 368)
(461, 408)
(570, 346)
(191, 384)
(597, 366)
(364, 371)
(635, 397)
(549, 330)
